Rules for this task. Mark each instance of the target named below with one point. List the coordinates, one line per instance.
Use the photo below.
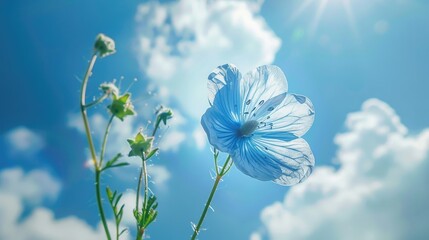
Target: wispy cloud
(24, 141)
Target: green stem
(227, 165)
(83, 110)
(138, 188)
(143, 173)
(156, 127)
(99, 203)
(106, 134)
(117, 230)
(97, 101)
(91, 144)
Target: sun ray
(300, 10)
(351, 17)
(319, 14)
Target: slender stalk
(100, 206)
(106, 134)
(97, 101)
(156, 127)
(146, 185)
(139, 187)
(91, 144)
(117, 230)
(226, 166)
(83, 110)
(143, 173)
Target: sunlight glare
(321, 8)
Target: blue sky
(338, 53)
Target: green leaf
(117, 199)
(151, 153)
(112, 163)
(109, 194)
(123, 231)
(120, 165)
(121, 212)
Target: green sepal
(141, 146)
(164, 114)
(122, 106)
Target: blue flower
(259, 123)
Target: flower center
(248, 128)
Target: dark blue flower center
(248, 128)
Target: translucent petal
(224, 90)
(262, 89)
(293, 117)
(293, 161)
(252, 160)
(220, 130)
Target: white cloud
(200, 137)
(378, 192)
(129, 200)
(255, 236)
(32, 188)
(19, 189)
(172, 140)
(159, 175)
(24, 141)
(180, 43)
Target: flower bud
(109, 88)
(164, 114)
(104, 45)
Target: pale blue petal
(291, 119)
(252, 160)
(294, 158)
(284, 162)
(262, 89)
(224, 90)
(220, 130)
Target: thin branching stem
(226, 166)
(158, 121)
(143, 174)
(91, 144)
(139, 187)
(103, 145)
(97, 101)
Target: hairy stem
(227, 165)
(91, 144)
